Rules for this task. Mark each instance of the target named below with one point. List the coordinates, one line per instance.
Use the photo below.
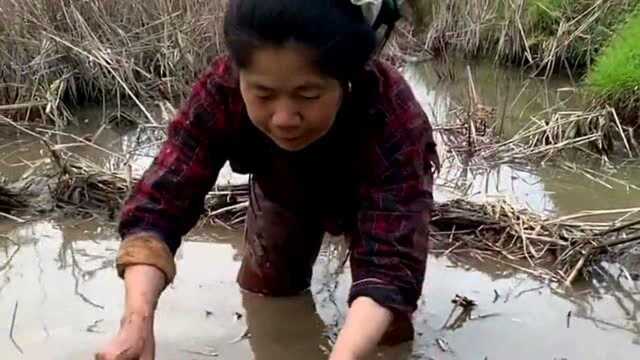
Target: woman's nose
(285, 115)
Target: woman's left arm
(389, 248)
(366, 322)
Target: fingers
(135, 341)
(117, 350)
(123, 355)
(149, 351)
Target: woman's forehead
(283, 67)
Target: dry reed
(59, 53)
(472, 127)
(596, 132)
(558, 249)
(524, 32)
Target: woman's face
(287, 98)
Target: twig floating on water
(442, 344)
(13, 324)
(244, 335)
(618, 242)
(93, 328)
(324, 349)
(529, 290)
(464, 302)
(210, 353)
(483, 316)
(13, 254)
(11, 217)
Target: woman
(335, 142)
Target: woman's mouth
(289, 138)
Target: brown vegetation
(56, 54)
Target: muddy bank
(69, 302)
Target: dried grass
(54, 54)
(560, 249)
(472, 127)
(596, 132)
(557, 249)
(84, 187)
(530, 33)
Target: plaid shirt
(392, 201)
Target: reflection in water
(547, 188)
(288, 328)
(70, 301)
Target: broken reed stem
(85, 142)
(13, 324)
(617, 242)
(239, 206)
(576, 270)
(11, 217)
(618, 228)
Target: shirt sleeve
(389, 249)
(169, 199)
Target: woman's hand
(135, 340)
(366, 322)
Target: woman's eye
(264, 96)
(310, 96)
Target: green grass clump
(545, 15)
(615, 77)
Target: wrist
(139, 311)
(133, 320)
(343, 354)
(143, 286)
(366, 322)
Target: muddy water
(60, 272)
(69, 301)
(516, 97)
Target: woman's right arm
(135, 340)
(164, 205)
(143, 286)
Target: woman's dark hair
(336, 31)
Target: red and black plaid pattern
(389, 241)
